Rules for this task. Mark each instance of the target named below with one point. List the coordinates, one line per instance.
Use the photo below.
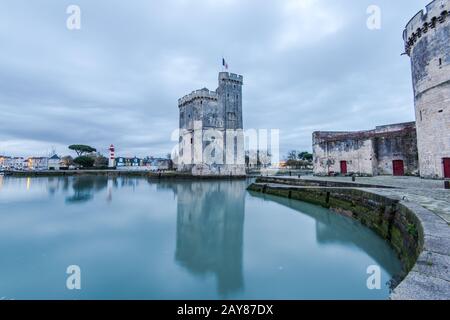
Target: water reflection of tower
(210, 226)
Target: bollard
(353, 178)
(447, 184)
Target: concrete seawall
(420, 238)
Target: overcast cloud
(307, 65)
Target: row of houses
(56, 163)
(148, 163)
(31, 163)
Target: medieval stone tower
(427, 42)
(211, 129)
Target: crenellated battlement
(436, 13)
(197, 94)
(224, 76)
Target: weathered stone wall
(366, 152)
(396, 143)
(203, 111)
(328, 154)
(427, 42)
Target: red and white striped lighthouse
(112, 157)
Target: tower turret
(427, 42)
(230, 97)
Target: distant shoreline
(117, 173)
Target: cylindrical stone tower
(427, 42)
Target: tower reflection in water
(210, 227)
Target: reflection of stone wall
(210, 225)
(381, 214)
(333, 229)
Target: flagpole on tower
(224, 64)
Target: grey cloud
(307, 65)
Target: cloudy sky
(307, 65)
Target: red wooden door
(343, 167)
(446, 167)
(398, 168)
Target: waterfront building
(18, 163)
(37, 163)
(54, 162)
(12, 163)
(211, 129)
(128, 162)
(6, 163)
(386, 150)
(158, 164)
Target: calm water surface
(140, 239)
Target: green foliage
(82, 149)
(297, 164)
(298, 160)
(84, 161)
(305, 156)
(294, 155)
(412, 230)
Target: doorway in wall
(343, 167)
(398, 168)
(446, 162)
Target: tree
(84, 161)
(292, 155)
(82, 149)
(305, 156)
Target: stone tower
(230, 97)
(427, 42)
(209, 119)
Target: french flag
(224, 63)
